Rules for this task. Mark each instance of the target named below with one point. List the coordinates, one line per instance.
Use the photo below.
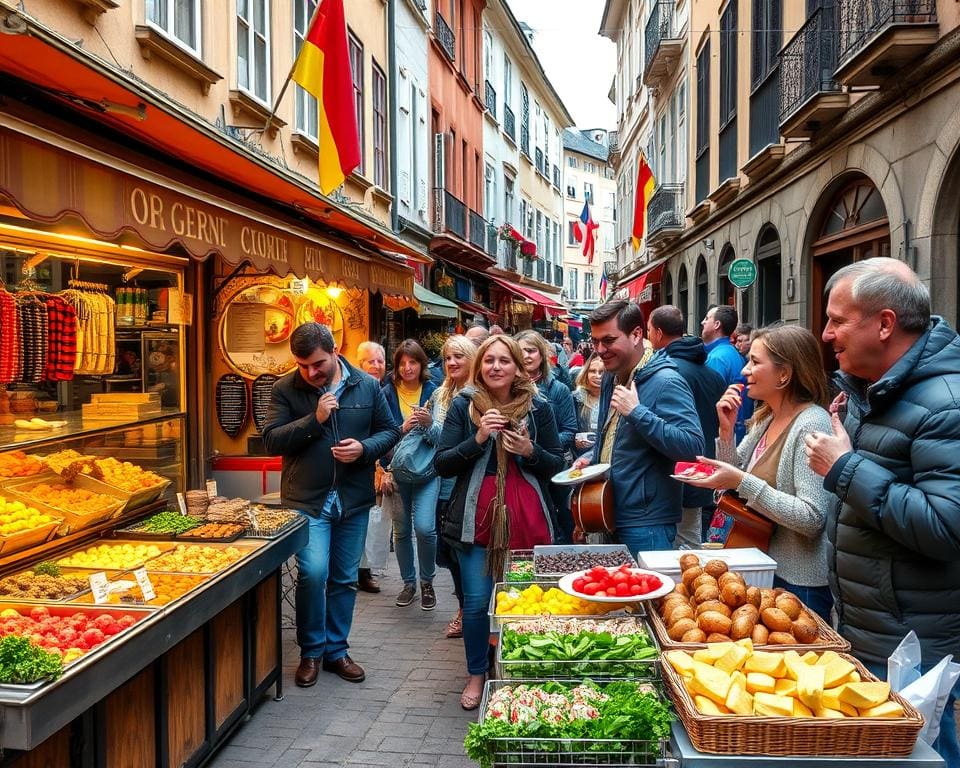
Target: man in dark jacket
(330, 423)
(647, 422)
(665, 331)
(893, 459)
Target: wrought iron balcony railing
(665, 210)
(808, 61)
(509, 255)
(659, 27)
(765, 113)
(509, 123)
(557, 275)
(525, 139)
(556, 176)
(490, 99)
(861, 20)
(538, 160)
(451, 214)
(478, 230)
(444, 35)
(492, 240)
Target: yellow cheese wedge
(745, 642)
(766, 662)
(739, 701)
(772, 705)
(826, 657)
(710, 682)
(709, 707)
(733, 659)
(712, 652)
(830, 713)
(810, 686)
(865, 695)
(758, 682)
(809, 658)
(681, 661)
(738, 679)
(831, 700)
(887, 709)
(800, 709)
(835, 672)
(791, 660)
(785, 687)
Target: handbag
(735, 525)
(412, 460)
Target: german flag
(322, 68)
(645, 186)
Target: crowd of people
(859, 475)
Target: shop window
(768, 276)
(379, 128)
(306, 104)
(253, 48)
(727, 293)
(668, 288)
(178, 19)
(703, 292)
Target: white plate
(566, 585)
(587, 473)
(687, 478)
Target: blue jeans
(477, 588)
(646, 538)
(326, 583)
(947, 745)
(817, 599)
(420, 516)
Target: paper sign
(140, 574)
(300, 286)
(182, 503)
(211, 488)
(99, 587)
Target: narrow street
(406, 713)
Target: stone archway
(943, 245)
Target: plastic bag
(377, 545)
(927, 692)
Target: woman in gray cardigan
(769, 469)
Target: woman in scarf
(457, 354)
(500, 442)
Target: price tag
(211, 488)
(99, 587)
(182, 503)
(140, 574)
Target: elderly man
(477, 334)
(372, 359)
(893, 459)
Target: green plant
(22, 662)
(432, 343)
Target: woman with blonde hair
(457, 356)
(769, 468)
(500, 443)
(586, 399)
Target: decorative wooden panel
(227, 639)
(130, 726)
(265, 640)
(52, 753)
(186, 721)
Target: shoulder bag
(413, 458)
(735, 525)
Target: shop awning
(534, 297)
(433, 304)
(476, 309)
(92, 86)
(636, 288)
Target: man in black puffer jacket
(894, 462)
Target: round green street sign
(743, 273)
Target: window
(588, 192)
(507, 81)
(610, 209)
(571, 233)
(356, 72)
(766, 37)
(681, 144)
(179, 19)
(306, 106)
(588, 286)
(379, 127)
(572, 161)
(703, 123)
(662, 174)
(524, 120)
(539, 236)
(572, 283)
(489, 193)
(590, 167)
(508, 201)
(528, 223)
(728, 64)
(253, 48)
(556, 241)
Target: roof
(576, 141)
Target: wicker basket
(803, 736)
(72, 520)
(828, 639)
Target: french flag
(584, 229)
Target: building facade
(588, 178)
(806, 153)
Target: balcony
(879, 37)
(764, 113)
(525, 139)
(664, 46)
(556, 177)
(538, 161)
(665, 215)
(490, 99)
(451, 214)
(509, 252)
(509, 123)
(810, 96)
(541, 270)
(493, 237)
(557, 275)
(444, 35)
(478, 231)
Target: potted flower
(528, 249)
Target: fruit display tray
(14, 542)
(246, 548)
(163, 546)
(72, 520)
(191, 537)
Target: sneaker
(407, 594)
(428, 598)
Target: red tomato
(579, 584)
(591, 588)
(611, 591)
(623, 589)
(620, 577)
(636, 589)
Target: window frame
(170, 33)
(378, 86)
(728, 64)
(355, 54)
(251, 48)
(306, 102)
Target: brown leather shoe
(346, 668)
(307, 672)
(366, 582)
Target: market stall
(602, 662)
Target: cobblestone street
(406, 713)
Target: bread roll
(746, 610)
(716, 568)
(733, 594)
(694, 636)
(706, 592)
(717, 637)
(714, 621)
(680, 612)
(690, 574)
(789, 605)
(760, 634)
(805, 629)
(753, 596)
(688, 560)
(703, 578)
(742, 627)
(713, 605)
(776, 620)
(781, 638)
(680, 628)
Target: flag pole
(293, 66)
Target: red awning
(534, 297)
(477, 309)
(44, 58)
(653, 275)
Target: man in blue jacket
(330, 423)
(724, 357)
(647, 422)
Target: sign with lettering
(743, 273)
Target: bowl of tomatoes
(616, 585)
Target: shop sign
(47, 183)
(742, 273)
(645, 295)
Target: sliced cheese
(712, 652)
(800, 709)
(739, 701)
(680, 661)
(785, 687)
(766, 662)
(758, 682)
(835, 672)
(864, 695)
(810, 686)
(887, 709)
(709, 707)
(772, 705)
(733, 659)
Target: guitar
(592, 507)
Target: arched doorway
(683, 296)
(854, 226)
(726, 292)
(768, 276)
(667, 288)
(703, 289)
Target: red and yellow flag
(645, 186)
(322, 68)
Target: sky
(579, 63)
